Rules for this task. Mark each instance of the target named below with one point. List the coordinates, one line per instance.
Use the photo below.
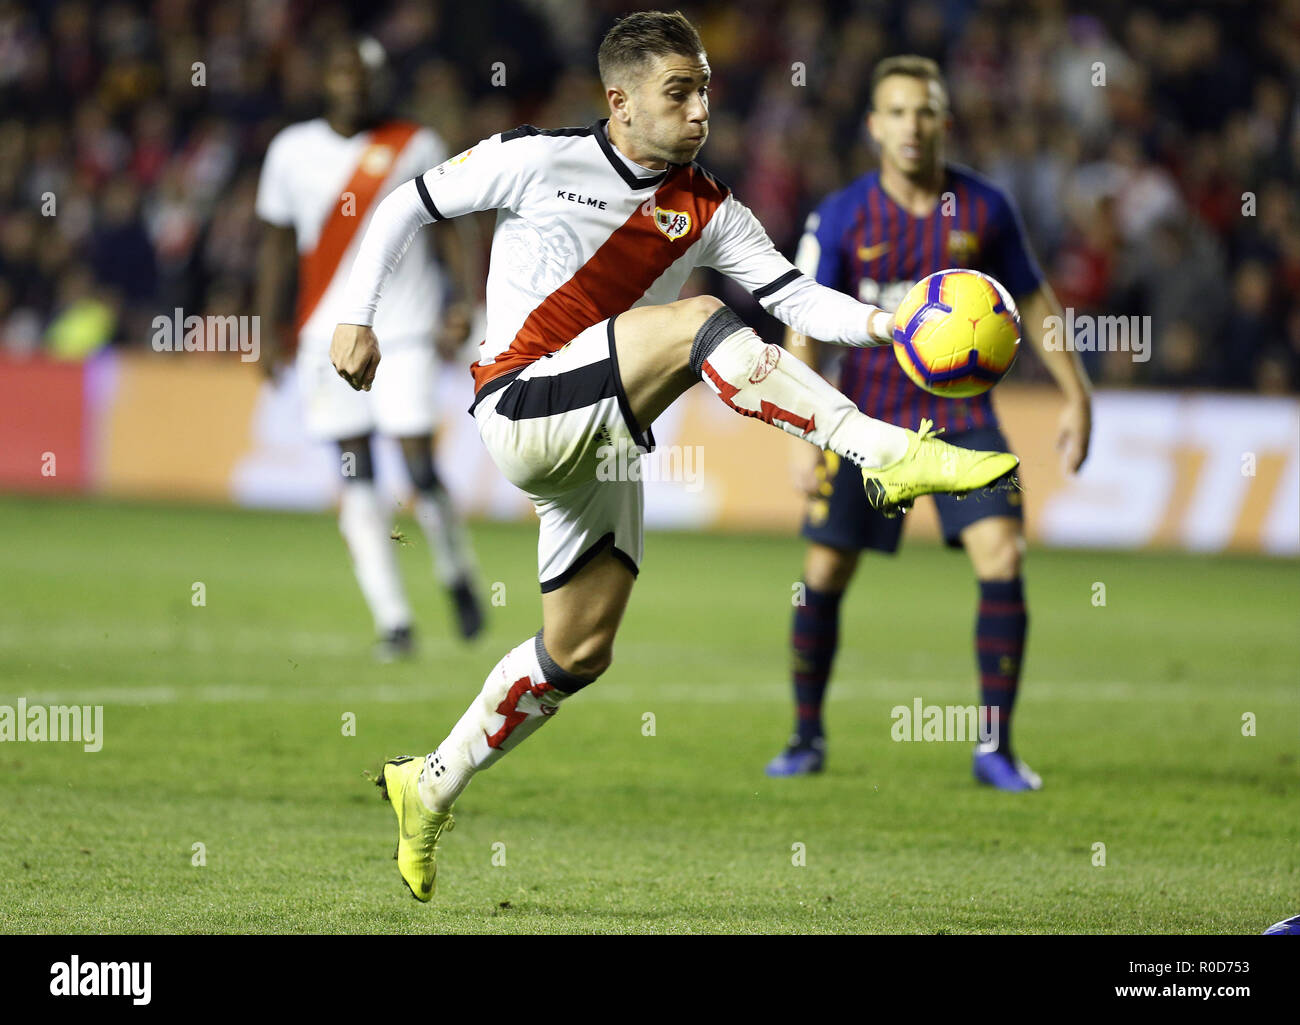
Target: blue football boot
(1003, 771)
(800, 758)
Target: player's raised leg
(366, 526)
(442, 527)
(995, 545)
(663, 349)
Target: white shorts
(561, 430)
(400, 403)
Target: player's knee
(1001, 559)
(829, 569)
(699, 308)
(571, 667)
(592, 659)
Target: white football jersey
(582, 234)
(326, 187)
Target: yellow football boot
(418, 828)
(932, 466)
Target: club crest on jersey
(673, 223)
(963, 247)
(377, 160)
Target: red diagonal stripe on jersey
(316, 269)
(617, 275)
(767, 411)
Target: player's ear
(618, 103)
(872, 128)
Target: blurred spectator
(1154, 152)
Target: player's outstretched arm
(737, 245)
(1074, 431)
(488, 176)
(392, 227)
(816, 311)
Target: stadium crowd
(1153, 147)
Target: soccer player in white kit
(320, 184)
(597, 230)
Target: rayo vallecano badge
(673, 223)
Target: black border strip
(426, 198)
(776, 286)
(547, 395)
(645, 441)
(626, 560)
(556, 582)
(525, 131)
(606, 540)
(496, 384)
(624, 172)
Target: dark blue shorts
(840, 516)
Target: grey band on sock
(561, 679)
(719, 325)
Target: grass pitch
(224, 726)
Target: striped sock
(999, 650)
(815, 637)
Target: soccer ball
(956, 333)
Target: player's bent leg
(443, 528)
(752, 378)
(814, 639)
(663, 350)
(366, 528)
(995, 546)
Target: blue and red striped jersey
(860, 241)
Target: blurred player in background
(319, 186)
(587, 343)
(875, 239)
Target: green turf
(223, 726)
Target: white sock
(516, 700)
(453, 556)
(763, 381)
(366, 527)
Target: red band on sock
(767, 411)
(509, 707)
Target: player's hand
(453, 330)
(880, 325)
(355, 355)
(1074, 431)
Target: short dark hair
(911, 65)
(634, 40)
